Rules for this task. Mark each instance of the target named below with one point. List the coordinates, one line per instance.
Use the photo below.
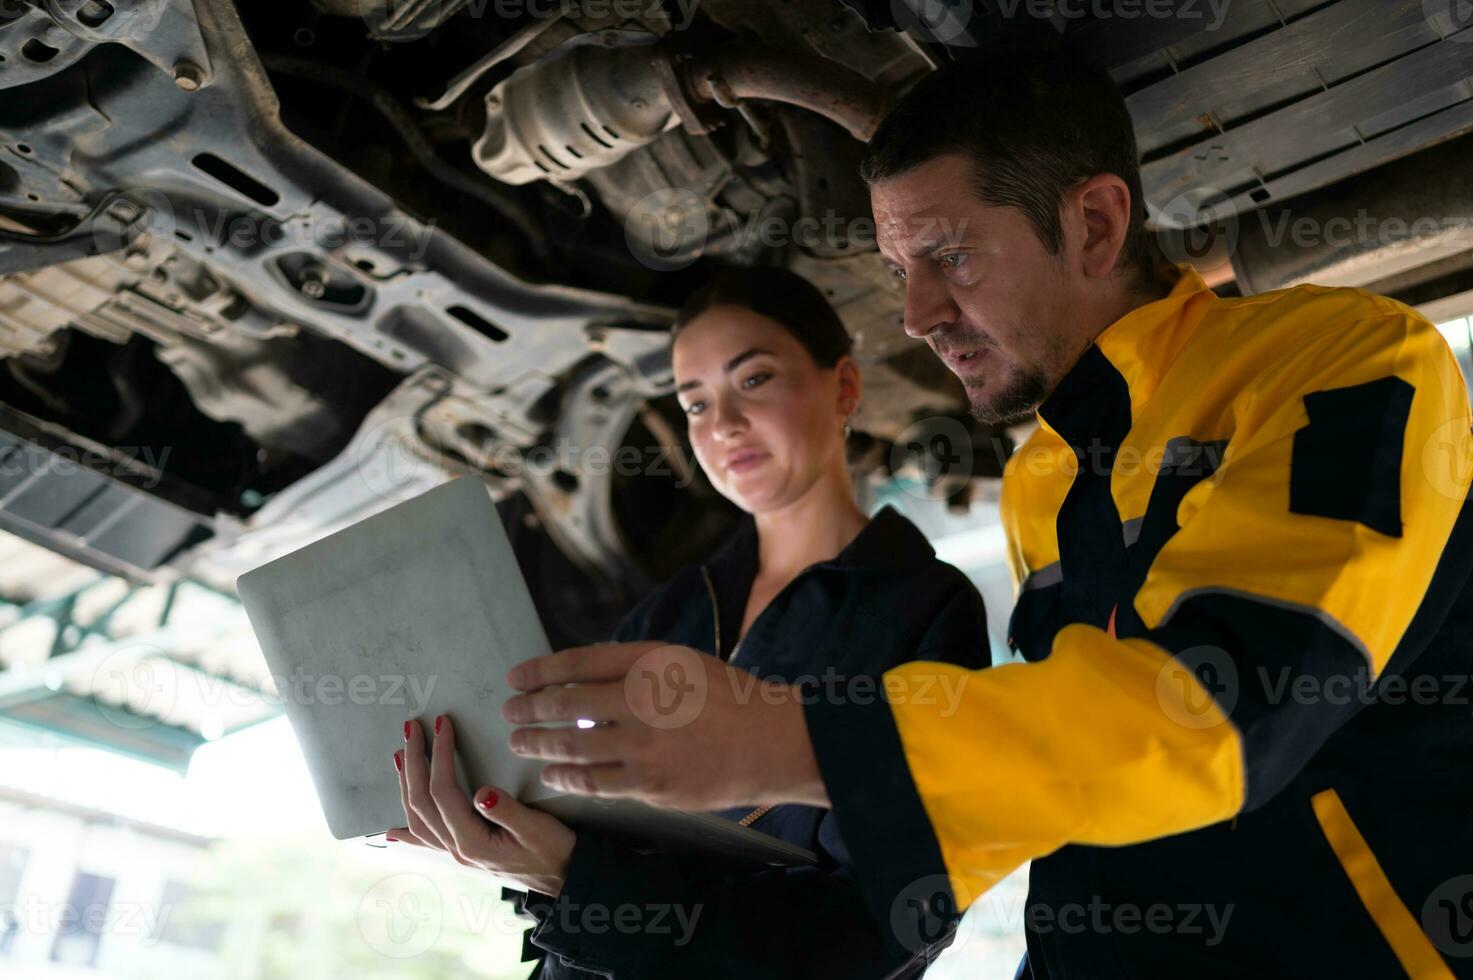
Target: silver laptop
(418, 611)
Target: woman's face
(766, 422)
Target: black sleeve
(891, 819)
(534, 905)
(958, 632)
(623, 914)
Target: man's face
(980, 287)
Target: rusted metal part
(696, 118)
(740, 72)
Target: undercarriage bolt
(189, 76)
(314, 282)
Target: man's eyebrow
(925, 247)
(731, 365)
(940, 233)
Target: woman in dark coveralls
(807, 584)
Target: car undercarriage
(269, 268)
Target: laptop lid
(417, 611)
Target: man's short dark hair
(1034, 123)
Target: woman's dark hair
(783, 297)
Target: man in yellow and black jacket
(1215, 562)
(1237, 742)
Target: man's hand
(676, 728)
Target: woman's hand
(497, 833)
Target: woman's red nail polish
(406, 731)
(390, 838)
(438, 720)
(398, 761)
(489, 801)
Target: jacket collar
(1143, 343)
(1139, 347)
(888, 542)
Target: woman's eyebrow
(731, 365)
(744, 356)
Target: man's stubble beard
(1026, 386)
(1023, 389)
(1022, 393)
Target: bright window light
(1456, 332)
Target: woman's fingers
(413, 824)
(403, 835)
(494, 831)
(543, 843)
(456, 813)
(424, 816)
(498, 807)
(590, 702)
